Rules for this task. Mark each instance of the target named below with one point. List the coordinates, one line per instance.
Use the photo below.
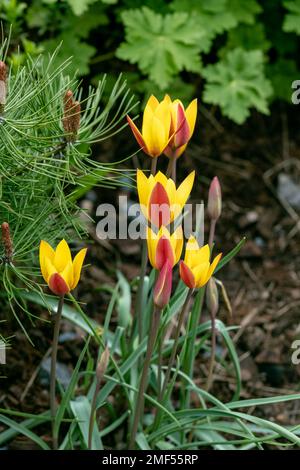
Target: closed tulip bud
(214, 207)
(212, 296)
(102, 364)
(163, 286)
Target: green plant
(168, 44)
(43, 169)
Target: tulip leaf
(237, 83)
(162, 45)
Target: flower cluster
(167, 127)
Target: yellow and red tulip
(159, 198)
(155, 128)
(196, 269)
(164, 247)
(59, 271)
(182, 126)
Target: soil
(262, 282)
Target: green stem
(53, 405)
(153, 165)
(212, 230)
(139, 299)
(173, 352)
(143, 382)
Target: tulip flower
(155, 128)
(182, 126)
(59, 271)
(196, 269)
(158, 190)
(164, 247)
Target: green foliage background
(237, 54)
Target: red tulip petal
(182, 134)
(137, 134)
(186, 275)
(58, 285)
(164, 253)
(159, 206)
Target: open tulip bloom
(182, 126)
(60, 272)
(155, 134)
(196, 269)
(161, 202)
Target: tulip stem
(212, 230)
(212, 352)
(173, 352)
(93, 414)
(139, 300)
(143, 381)
(53, 405)
(153, 165)
(171, 170)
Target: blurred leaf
(80, 6)
(162, 46)
(213, 16)
(82, 410)
(237, 83)
(252, 37)
(244, 10)
(72, 46)
(292, 19)
(282, 74)
(124, 302)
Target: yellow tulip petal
(77, 266)
(152, 103)
(203, 255)
(152, 240)
(185, 189)
(191, 251)
(50, 269)
(156, 138)
(46, 251)
(142, 183)
(214, 265)
(177, 243)
(191, 115)
(67, 275)
(162, 113)
(62, 256)
(200, 273)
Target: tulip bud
(214, 206)
(71, 119)
(163, 286)
(7, 242)
(102, 364)
(3, 75)
(212, 296)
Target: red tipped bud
(7, 242)
(214, 206)
(71, 118)
(164, 253)
(212, 296)
(163, 286)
